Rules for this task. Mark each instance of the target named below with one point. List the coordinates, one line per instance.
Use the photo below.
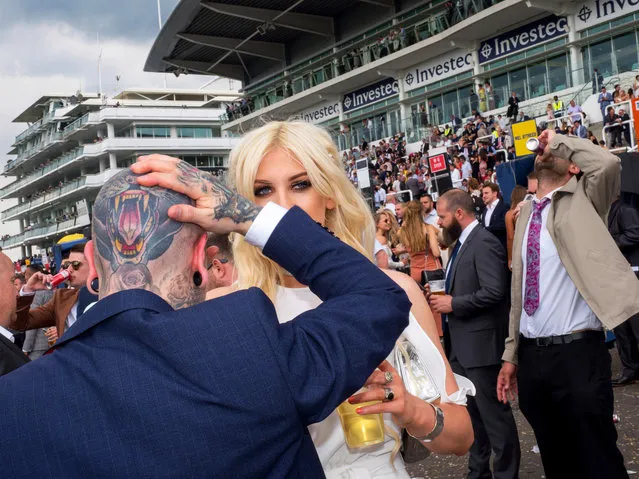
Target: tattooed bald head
(137, 246)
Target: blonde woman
(296, 164)
(383, 241)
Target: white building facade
(75, 143)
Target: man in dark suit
(493, 218)
(155, 382)
(66, 305)
(11, 356)
(476, 309)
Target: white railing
(619, 125)
(569, 117)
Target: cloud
(135, 19)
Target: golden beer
(360, 431)
(437, 287)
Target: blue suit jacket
(221, 389)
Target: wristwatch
(439, 425)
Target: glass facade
(152, 132)
(195, 132)
(612, 55)
(535, 79)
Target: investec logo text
(319, 114)
(430, 73)
(365, 96)
(598, 11)
(531, 35)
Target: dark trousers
(493, 424)
(565, 392)
(627, 339)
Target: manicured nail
(359, 410)
(350, 399)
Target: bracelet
(437, 429)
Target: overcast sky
(50, 46)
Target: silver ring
(388, 377)
(389, 395)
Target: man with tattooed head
(156, 382)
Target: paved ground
(626, 407)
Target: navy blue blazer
(221, 389)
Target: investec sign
(524, 37)
(590, 14)
(438, 69)
(320, 113)
(370, 94)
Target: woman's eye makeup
(265, 190)
(262, 191)
(301, 185)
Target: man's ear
(200, 260)
(574, 169)
(90, 257)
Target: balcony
(80, 185)
(28, 132)
(53, 138)
(71, 127)
(54, 194)
(41, 172)
(418, 25)
(43, 232)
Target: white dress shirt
(561, 309)
(462, 238)
(489, 212)
(431, 218)
(264, 224)
(455, 176)
(7, 334)
(467, 170)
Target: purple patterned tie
(531, 297)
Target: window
(537, 79)
(500, 89)
(519, 84)
(558, 73)
(153, 131)
(194, 132)
(625, 52)
(601, 58)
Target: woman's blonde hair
(392, 232)
(411, 233)
(313, 149)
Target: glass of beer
(437, 287)
(360, 430)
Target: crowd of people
(303, 330)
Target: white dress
(337, 459)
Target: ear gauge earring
(197, 279)
(95, 285)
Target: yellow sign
(521, 132)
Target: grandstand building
(75, 143)
(367, 69)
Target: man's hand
(37, 282)
(217, 209)
(51, 334)
(441, 304)
(546, 138)
(507, 383)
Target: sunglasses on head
(76, 265)
(221, 260)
